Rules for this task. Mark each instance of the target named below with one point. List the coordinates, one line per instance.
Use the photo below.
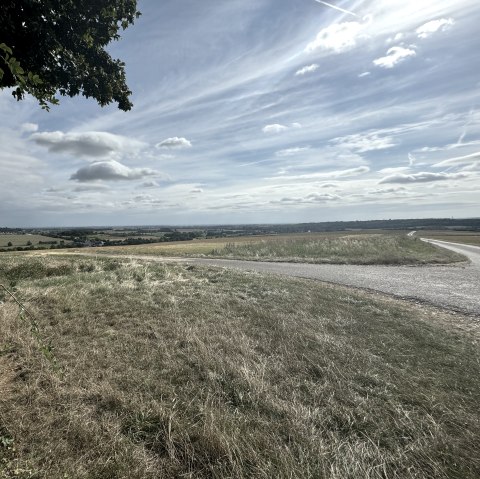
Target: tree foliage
(50, 46)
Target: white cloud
(292, 151)
(391, 171)
(274, 128)
(364, 74)
(307, 69)
(423, 177)
(338, 37)
(394, 56)
(364, 142)
(475, 166)
(434, 26)
(460, 160)
(92, 143)
(329, 174)
(110, 170)
(174, 143)
(29, 127)
(451, 146)
(312, 198)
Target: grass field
(22, 240)
(352, 249)
(340, 248)
(145, 370)
(467, 237)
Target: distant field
(118, 237)
(466, 237)
(338, 247)
(22, 240)
(148, 370)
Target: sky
(261, 111)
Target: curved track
(454, 287)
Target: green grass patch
(184, 371)
(14, 240)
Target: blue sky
(261, 111)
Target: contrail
(336, 8)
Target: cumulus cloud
(459, 160)
(364, 142)
(429, 28)
(423, 177)
(92, 143)
(292, 151)
(174, 143)
(274, 128)
(307, 69)
(394, 56)
(110, 170)
(337, 38)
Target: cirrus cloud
(422, 177)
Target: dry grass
(351, 248)
(180, 371)
(467, 237)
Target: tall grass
(184, 371)
(362, 249)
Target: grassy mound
(161, 371)
(362, 249)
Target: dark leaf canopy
(50, 46)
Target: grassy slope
(364, 249)
(177, 371)
(312, 248)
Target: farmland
(351, 248)
(25, 240)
